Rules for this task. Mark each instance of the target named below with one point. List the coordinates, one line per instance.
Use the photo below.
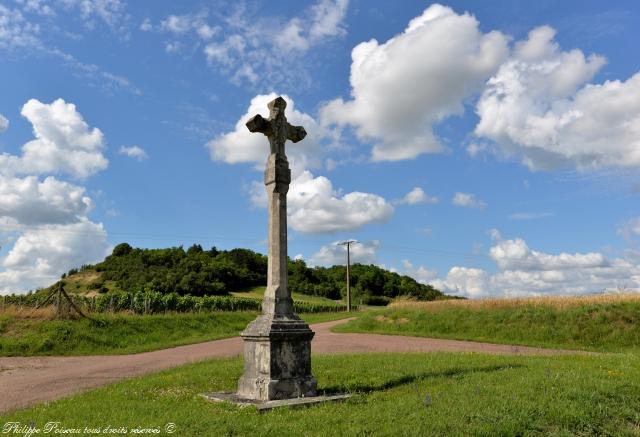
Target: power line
(254, 240)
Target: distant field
(602, 323)
(258, 293)
(28, 332)
(393, 394)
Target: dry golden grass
(558, 302)
(20, 312)
(86, 277)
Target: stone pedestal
(277, 359)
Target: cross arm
(258, 123)
(296, 133)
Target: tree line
(200, 272)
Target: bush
(376, 300)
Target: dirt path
(28, 380)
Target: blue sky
(488, 148)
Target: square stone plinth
(277, 360)
(263, 406)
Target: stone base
(263, 406)
(277, 359)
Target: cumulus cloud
(445, 53)
(134, 152)
(29, 202)
(526, 272)
(314, 206)
(63, 143)
(419, 273)
(416, 196)
(46, 220)
(467, 200)
(516, 255)
(538, 106)
(40, 255)
(334, 254)
(4, 123)
(464, 281)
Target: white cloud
(516, 255)
(334, 254)
(242, 146)
(110, 12)
(146, 25)
(445, 53)
(46, 220)
(474, 149)
(416, 196)
(16, 33)
(467, 200)
(419, 273)
(314, 206)
(182, 24)
(64, 142)
(37, 6)
(173, 47)
(23, 37)
(134, 152)
(40, 255)
(178, 23)
(630, 228)
(464, 281)
(4, 124)
(526, 272)
(494, 234)
(328, 17)
(31, 202)
(538, 107)
(242, 43)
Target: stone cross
(277, 345)
(277, 178)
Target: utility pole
(348, 243)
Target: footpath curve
(26, 381)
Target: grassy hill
(599, 323)
(199, 272)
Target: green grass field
(258, 293)
(393, 394)
(120, 333)
(603, 324)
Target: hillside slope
(200, 272)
